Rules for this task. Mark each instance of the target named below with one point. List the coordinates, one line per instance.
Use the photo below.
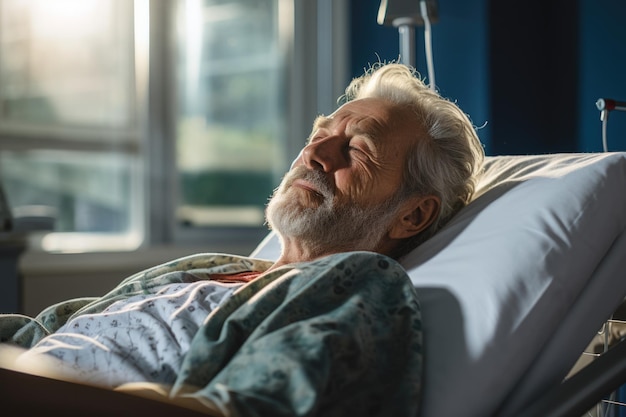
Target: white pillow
(497, 282)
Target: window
(127, 123)
(69, 133)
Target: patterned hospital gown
(337, 336)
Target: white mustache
(319, 181)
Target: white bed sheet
(514, 286)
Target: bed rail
(586, 388)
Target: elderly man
(382, 173)
(333, 326)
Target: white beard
(330, 226)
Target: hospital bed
(516, 285)
(512, 290)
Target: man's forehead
(369, 113)
(369, 105)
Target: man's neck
(294, 251)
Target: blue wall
(459, 52)
(529, 76)
(602, 71)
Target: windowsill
(44, 263)
(38, 263)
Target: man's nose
(324, 154)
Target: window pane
(67, 62)
(230, 117)
(70, 191)
(69, 136)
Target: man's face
(346, 177)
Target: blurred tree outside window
(230, 123)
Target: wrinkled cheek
(354, 189)
(352, 195)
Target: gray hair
(446, 161)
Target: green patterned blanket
(337, 336)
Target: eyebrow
(370, 136)
(372, 130)
(321, 121)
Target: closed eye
(355, 149)
(362, 146)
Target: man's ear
(414, 216)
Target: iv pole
(405, 15)
(406, 31)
